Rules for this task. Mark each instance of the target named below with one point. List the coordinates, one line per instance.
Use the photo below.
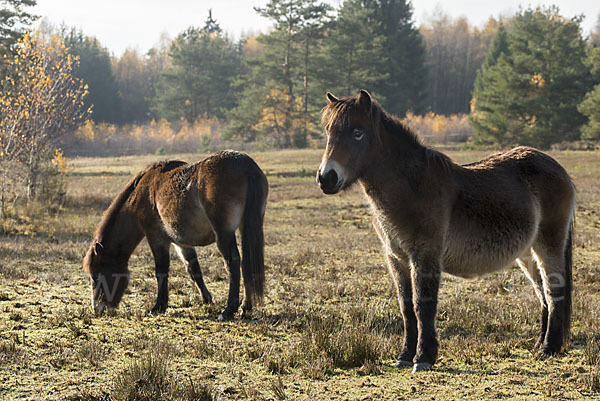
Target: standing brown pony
(187, 205)
(433, 215)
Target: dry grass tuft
(10, 352)
(148, 378)
(592, 353)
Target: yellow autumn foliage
(157, 135)
(41, 102)
(537, 80)
(439, 128)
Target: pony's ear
(97, 248)
(331, 98)
(364, 100)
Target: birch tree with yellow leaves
(41, 102)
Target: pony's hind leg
(190, 259)
(160, 251)
(530, 268)
(552, 254)
(400, 272)
(228, 247)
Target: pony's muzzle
(329, 182)
(99, 307)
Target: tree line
(269, 87)
(527, 79)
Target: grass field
(330, 328)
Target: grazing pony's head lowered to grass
(106, 262)
(109, 278)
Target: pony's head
(108, 275)
(351, 138)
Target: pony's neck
(398, 139)
(123, 236)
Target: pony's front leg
(400, 272)
(160, 251)
(228, 247)
(426, 271)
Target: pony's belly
(198, 231)
(475, 257)
(191, 228)
(475, 266)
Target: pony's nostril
(329, 180)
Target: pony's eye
(358, 134)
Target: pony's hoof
(207, 298)
(403, 364)
(99, 310)
(545, 353)
(421, 367)
(246, 311)
(223, 317)
(158, 309)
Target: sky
(138, 24)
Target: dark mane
(336, 114)
(109, 217)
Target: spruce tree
(14, 21)
(278, 68)
(198, 83)
(353, 55)
(490, 83)
(406, 83)
(590, 106)
(96, 71)
(211, 25)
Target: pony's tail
(253, 263)
(568, 289)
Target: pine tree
(282, 109)
(531, 95)
(313, 23)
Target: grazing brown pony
(187, 205)
(435, 216)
